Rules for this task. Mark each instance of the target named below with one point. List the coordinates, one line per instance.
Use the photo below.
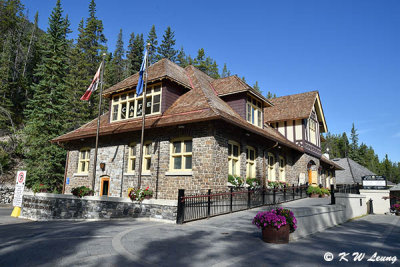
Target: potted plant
(82, 191)
(396, 208)
(139, 194)
(325, 192)
(276, 225)
(313, 191)
(235, 181)
(253, 183)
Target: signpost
(374, 182)
(18, 193)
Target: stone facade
(45, 207)
(6, 194)
(209, 160)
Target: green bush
(314, 190)
(40, 188)
(82, 191)
(325, 191)
(253, 183)
(236, 181)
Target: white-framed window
(147, 151)
(129, 105)
(234, 158)
(131, 157)
(84, 160)
(181, 154)
(313, 131)
(250, 162)
(282, 167)
(271, 167)
(254, 111)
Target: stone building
(198, 130)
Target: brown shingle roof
(290, 107)
(233, 85)
(163, 69)
(202, 103)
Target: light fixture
(102, 166)
(181, 126)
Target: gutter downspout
(65, 172)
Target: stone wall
(6, 194)
(44, 207)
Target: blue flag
(139, 87)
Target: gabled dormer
(299, 118)
(242, 98)
(166, 83)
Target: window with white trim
(250, 162)
(254, 111)
(181, 155)
(84, 160)
(129, 105)
(313, 131)
(132, 157)
(233, 158)
(282, 166)
(271, 167)
(147, 156)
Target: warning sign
(19, 188)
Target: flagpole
(98, 123)
(143, 121)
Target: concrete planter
(271, 234)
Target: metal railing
(200, 206)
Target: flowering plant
(39, 188)
(236, 181)
(277, 184)
(325, 191)
(253, 183)
(269, 218)
(82, 191)
(396, 207)
(139, 194)
(290, 219)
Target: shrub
(253, 183)
(325, 191)
(40, 188)
(82, 191)
(313, 190)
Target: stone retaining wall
(45, 207)
(6, 194)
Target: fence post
(358, 189)
(284, 193)
(263, 195)
(274, 196)
(333, 200)
(301, 191)
(180, 216)
(209, 203)
(231, 199)
(248, 199)
(293, 191)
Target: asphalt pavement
(229, 240)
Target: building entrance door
(105, 186)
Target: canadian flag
(93, 86)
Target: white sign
(374, 182)
(19, 188)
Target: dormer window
(254, 111)
(129, 105)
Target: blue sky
(347, 50)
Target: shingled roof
(201, 103)
(294, 107)
(163, 69)
(351, 172)
(233, 85)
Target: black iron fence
(200, 206)
(349, 189)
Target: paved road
(221, 241)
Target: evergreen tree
(200, 61)
(243, 79)
(46, 110)
(353, 151)
(166, 48)
(152, 40)
(135, 53)
(117, 63)
(270, 95)
(225, 72)
(181, 59)
(257, 87)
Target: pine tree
(135, 53)
(5, 82)
(152, 40)
(166, 48)
(117, 63)
(225, 72)
(353, 151)
(46, 110)
(200, 61)
(181, 59)
(257, 87)
(243, 79)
